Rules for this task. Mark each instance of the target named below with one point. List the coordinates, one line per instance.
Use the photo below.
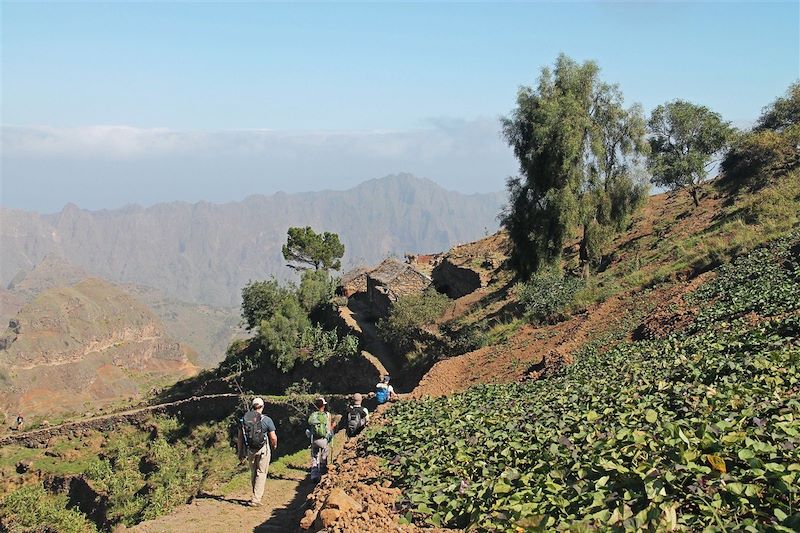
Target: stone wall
(455, 281)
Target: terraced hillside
(660, 395)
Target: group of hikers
(258, 438)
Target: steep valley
(86, 346)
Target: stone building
(354, 282)
(391, 280)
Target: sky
(107, 104)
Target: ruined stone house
(354, 282)
(391, 280)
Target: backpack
(355, 420)
(318, 423)
(253, 431)
(382, 394)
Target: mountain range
(205, 253)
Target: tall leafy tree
(305, 249)
(686, 141)
(576, 145)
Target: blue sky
(434, 76)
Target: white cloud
(105, 166)
(124, 142)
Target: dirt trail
(356, 315)
(218, 513)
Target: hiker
(384, 392)
(256, 437)
(320, 431)
(20, 420)
(357, 416)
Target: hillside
(207, 330)
(660, 395)
(206, 253)
(82, 347)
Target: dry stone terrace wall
(191, 410)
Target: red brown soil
(363, 480)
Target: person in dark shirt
(258, 459)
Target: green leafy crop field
(698, 431)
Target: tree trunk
(695, 195)
(584, 252)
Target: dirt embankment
(356, 496)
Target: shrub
(261, 299)
(758, 157)
(546, 295)
(316, 289)
(409, 314)
(145, 478)
(321, 344)
(32, 509)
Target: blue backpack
(382, 394)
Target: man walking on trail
(320, 430)
(256, 437)
(357, 416)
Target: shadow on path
(286, 518)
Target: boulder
(308, 519)
(328, 517)
(339, 499)
(23, 466)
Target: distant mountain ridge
(207, 252)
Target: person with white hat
(257, 438)
(320, 431)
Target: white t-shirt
(385, 386)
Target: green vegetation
(286, 318)
(142, 474)
(684, 140)
(145, 476)
(771, 149)
(698, 431)
(32, 509)
(546, 295)
(577, 148)
(307, 249)
(403, 328)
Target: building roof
(390, 269)
(352, 275)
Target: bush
(758, 157)
(546, 295)
(409, 314)
(316, 289)
(261, 299)
(32, 509)
(145, 478)
(322, 344)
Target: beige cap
(357, 397)
(258, 402)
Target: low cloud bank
(108, 166)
